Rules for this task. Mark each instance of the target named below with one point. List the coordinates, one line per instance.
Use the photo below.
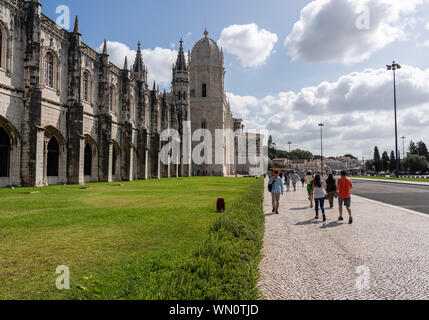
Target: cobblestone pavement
(383, 255)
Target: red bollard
(220, 205)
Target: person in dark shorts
(344, 188)
(302, 175)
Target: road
(412, 197)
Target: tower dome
(206, 53)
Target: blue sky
(271, 94)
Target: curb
(424, 184)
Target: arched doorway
(116, 162)
(55, 171)
(52, 167)
(90, 166)
(10, 154)
(87, 168)
(5, 147)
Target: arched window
(203, 124)
(53, 158)
(87, 167)
(49, 70)
(85, 87)
(204, 90)
(4, 153)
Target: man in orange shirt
(343, 191)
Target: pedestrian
(343, 191)
(287, 180)
(276, 191)
(309, 181)
(281, 175)
(302, 175)
(318, 192)
(331, 188)
(294, 178)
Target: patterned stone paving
(383, 255)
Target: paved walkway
(383, 255)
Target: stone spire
(126, 63)
(105, 47)
(76, 25)
(181, 61)
(138, 67)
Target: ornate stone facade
(69, 116)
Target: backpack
(270, 186)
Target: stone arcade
(69, 116)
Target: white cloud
(424, 44)
(158, 60)
(348, 31)
(427, 26)
(357, 111)
(251, 45)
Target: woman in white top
(319, 193)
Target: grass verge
(224, 266)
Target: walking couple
(319, 191)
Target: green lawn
(103, 231)
(400, 179)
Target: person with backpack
(331, 188)
(275, 186)
(318, 192)
(309, 181)
(344, 195)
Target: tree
(271, 148)
(377, 159)
(369, 165)
(422, 150)
(350, 156)
(385, 161)
(417, 163)
(392, 162)
(413, 148)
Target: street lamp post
(321, 125)
(403, 148)
(394, 66)
(289, 143)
